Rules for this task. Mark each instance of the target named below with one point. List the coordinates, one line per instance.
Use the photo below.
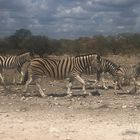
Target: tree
(4, 46)
(22, 34)
(36, 44)
(19, 36)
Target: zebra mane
(82, 55)
(24, 54)
(21, 59)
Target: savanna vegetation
(23, 40)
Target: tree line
(23, 40)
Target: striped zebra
(136, 76)
(13, 62)
(70, 67)
(107, 66)
(132, 74)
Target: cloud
(69, 18)
(118, 3)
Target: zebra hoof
(69, 94)
(105, 88)
(43, 96)
(90, 94)
(85, 92)
(26, 94)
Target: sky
(69, 18)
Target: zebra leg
(14, 82)
(69, 86)
(103, 83)
(118, 84)
(115, 87)
(39, 87)
(98, 75)
(2, 79)
(95, 84)
(135, 84)
(27, 84)
(82, 82)
(15, 76)
(21, 77)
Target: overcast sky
(69, 18)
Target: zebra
(132, 75)
(13, 62)
(69, 67)
(136, 75)
(136, 70)
(107, 66)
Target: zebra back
(51, 67)
(7, 62)
(10, 62)
(61, 68)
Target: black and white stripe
(70, 67)
(13, 62)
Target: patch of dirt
(57, 117)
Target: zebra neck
(20, 61)
(108, 66)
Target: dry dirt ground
(102, 116)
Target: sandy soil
(58, 117)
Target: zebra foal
(106, 66)
(70, 67)
(13, 62)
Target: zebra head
(121, 71)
